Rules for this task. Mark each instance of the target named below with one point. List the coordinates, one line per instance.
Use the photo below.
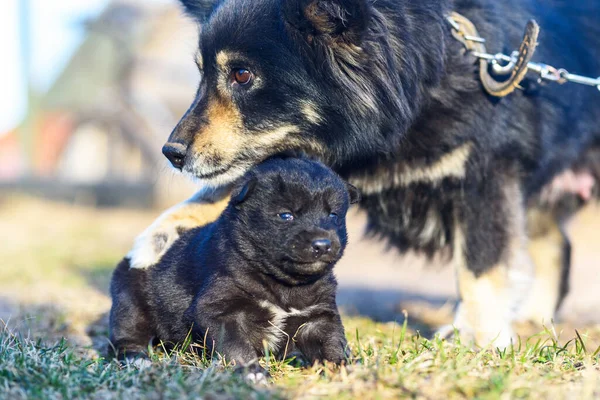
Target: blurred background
(89, 92)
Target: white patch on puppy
(278, 321)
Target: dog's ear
(340, 19)
(354, 193)
(241, 192)
(200, 10)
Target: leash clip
(500, 69)
(516, 65)
(549, 73)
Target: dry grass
(388, 362)
(57, 261)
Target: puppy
(259, 277)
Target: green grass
(388, 362)
(31, 369)
(54, 286)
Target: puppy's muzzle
(321, 247)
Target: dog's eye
(242, 76)
(333, 216)
(286, 216)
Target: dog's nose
(321, 246)
(175, 153)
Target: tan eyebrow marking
(222, 59)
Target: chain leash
(502, 65)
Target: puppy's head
(262, 89)
(289, 216)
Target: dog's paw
(140, 363)
(254, 374)
(152, 244)
(491, 333)
(539, 307)
(137, 360)
(205, 207)
(479, 340)
(539, 311)
(257, 377)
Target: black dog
(261, 275)
(383, 93)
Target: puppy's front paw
(257, 378)
(136, 359)
(337, 354)
(254, 374)
(139, 363)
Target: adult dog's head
(318, 76)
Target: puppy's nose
(321, 246)
(175, 153)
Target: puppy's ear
(241, 192)
(354, 193)
(339, 19)
(200, 10)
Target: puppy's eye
(333, 216)
(242, 76)
(286, 216)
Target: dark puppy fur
(382, 92)
(262, 273)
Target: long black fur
(250, 276)
(394, 88)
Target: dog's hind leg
(550, 251)
(131, 326)
(549, 245)
(201, 209)
(493, 268)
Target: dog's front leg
(201, 209)
(322, 339)
(492, 264)
(225, 324)
(234, 347)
